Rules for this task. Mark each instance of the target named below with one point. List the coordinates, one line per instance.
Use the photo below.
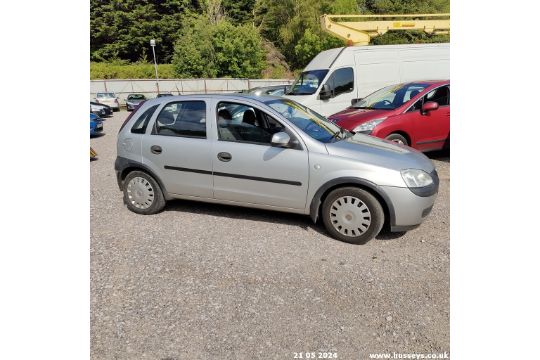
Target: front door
(341, 83)
(178, 149)
(432, 128)
(247, 169)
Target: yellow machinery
(360, 29)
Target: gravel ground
(203, 281)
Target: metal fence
(149, 88)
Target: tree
(122, 29)
(218, 50)
(294, 26)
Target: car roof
(234, 96)
(430, 82)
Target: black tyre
(400, 139)
(352, 215)
(142, 193)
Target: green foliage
(310, 44)
(123, 28)
(406, 7)
(124, 70)
(194, 52)
(222, 37)
(239, 11)
(218, 50)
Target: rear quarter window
(140, 125)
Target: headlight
(368, 126)
(415, 178)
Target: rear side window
(182, 118)
(142, 122)
(342, 81)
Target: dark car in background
(134, 100)
(416, 114)
(164, 94)
(100, 110)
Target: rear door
(247, 169)
(178, 150)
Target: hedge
(101, 70)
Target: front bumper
(409, 210)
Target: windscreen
(391, 97)
(307, 120)
(136, 97)
(308, 82)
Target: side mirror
(429, 106)
(325, 93)
(354, 101)
(281, 139)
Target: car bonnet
(375, 151)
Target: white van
(336, 78)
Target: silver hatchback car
(271, 153)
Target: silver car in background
(133, 100)
(109, 99)
(274, 90)
(271, 153)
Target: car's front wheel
(400, 139)
(142, 193)
(352, 215)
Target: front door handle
(156, 149)
(224, 156)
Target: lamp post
(153, 45)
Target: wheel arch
(373, 189)
(402, 133)
(124, 166)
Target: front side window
(182, 118)
(308, 82)
(440, 96)
(244, 123)
(142, 122)
(341, 81)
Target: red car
(416, 114)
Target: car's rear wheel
(398, 138)
(142, 193)
(352, 215)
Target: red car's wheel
(400, 139)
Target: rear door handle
(224, 156)
(156, 149)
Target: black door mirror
(355, 101)
(325, 93)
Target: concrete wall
(122, 88)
